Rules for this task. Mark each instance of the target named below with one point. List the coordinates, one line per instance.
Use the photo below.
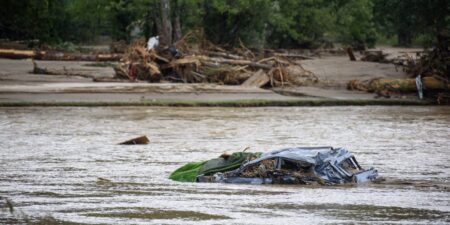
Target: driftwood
(293, 56)
(237, 62)
(398, 85)
(65, 72)
(409, 85)
(142, 140)
(111, 79)
(374, 56)
(224, 55)
(246, 51)
(258, 79)
(16, 54)
(350, 54)
(60, 56)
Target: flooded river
(63, 165)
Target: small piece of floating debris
(299, 165)
(142, 140)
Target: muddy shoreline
(235, 103)
(20, 88)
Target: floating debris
(142, 140)
(301, 165)
(6, 203)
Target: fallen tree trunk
(236, 62)
(65, 72)
(350, 54)
(112, 80)
(398, 85)
(374, 56)
(16, 54)
(224, 55)
(293, 56)
(258, 79)
(61, 56)
(408, 85)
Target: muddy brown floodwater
(63, 165)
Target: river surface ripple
(63, 164)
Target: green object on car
(190, 171)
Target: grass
(227, 103)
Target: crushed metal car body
(299, 165)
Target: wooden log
(112, 80)
(293, 56)
(64, 72)
(407, 85)
(109, 57)
(350, 54)
(237, 62)
(62, 56)
(201, 76)
(224, 55)
(374, 56)
(258, 79)
(260, 66)
(142, 140)
(16, 54)
(185, 60)
(247, 51)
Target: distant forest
(257, 23)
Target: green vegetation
(257, 23)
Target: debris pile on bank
(195, 60)
(401, 59)
(429, 71)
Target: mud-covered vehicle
(300, 165)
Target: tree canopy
(257, 23)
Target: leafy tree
(121, 13)
(227, 21)
(258, 23)
(354, 24)
(299, 23)
(20, 19)
(408, 19)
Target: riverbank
(237, 103)
(185, 95)
(20, 88)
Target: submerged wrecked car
(300, 165)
